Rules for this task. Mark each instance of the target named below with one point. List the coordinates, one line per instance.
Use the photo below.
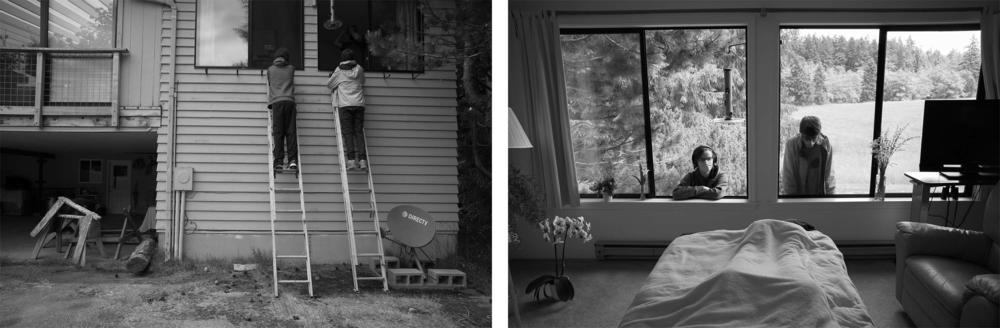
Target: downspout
(172, 231)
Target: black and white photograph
(245, 163)
(753, 163)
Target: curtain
(990, 27)
(538, 97)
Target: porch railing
(39, 82)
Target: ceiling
(79, 142)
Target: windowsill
(661, 201)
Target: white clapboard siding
(139, 28)
(221, 134)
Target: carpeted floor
(604, 290)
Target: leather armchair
(947, 277)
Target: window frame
(90, 164)
(644, 75)
(880, 64)
(321, 5)
(299, 53)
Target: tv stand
(924, 181)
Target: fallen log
(142, 255)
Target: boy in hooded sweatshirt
(347, 87)
(281, 101)
(706, 181)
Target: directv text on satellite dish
(415, 218)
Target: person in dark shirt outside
(281, 102)
(706, 181)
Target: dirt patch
(210, 294)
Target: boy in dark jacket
(281, 101)
(705, 181)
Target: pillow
(985, 285)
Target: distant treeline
(818, 70)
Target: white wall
(844, 219)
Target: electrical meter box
(183, 178)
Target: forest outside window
(396, 23)
(832, 74)
(246, 33)
(644, 99)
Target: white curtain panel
(990, 27)
(538, 97)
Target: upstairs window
(245, 33)
(398, 22)
(646, 98)
(833, 74)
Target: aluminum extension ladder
(304, 233)
(349, 210)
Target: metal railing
(43, 81)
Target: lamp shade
(516, 138)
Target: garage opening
(110, 173)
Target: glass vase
(880, 190)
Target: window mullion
(646, 112)
(879, 89)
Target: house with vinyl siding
(186, 92)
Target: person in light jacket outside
(347, 87)
(807, 168)
(281, 102)
(705, 181)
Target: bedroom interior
(605, 90)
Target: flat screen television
(960, 135)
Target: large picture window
(245, 33)
(833, 76)
(644, 99)
(397, 22)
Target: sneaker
(351, 164)
(293, 166)
(362, 165)
(278, 167)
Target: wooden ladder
(304, 233)
(349, 210)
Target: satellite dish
(411, 226)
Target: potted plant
(605, 187)
(883, 148)
(558, 231)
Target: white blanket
(771, 274)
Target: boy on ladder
(281, 102)
(347, 87)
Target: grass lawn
(850, 126)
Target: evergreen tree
(798, 85)
(819, 93)
(971, 58)
(868, 81)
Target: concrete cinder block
(446, 278)
(405, 277)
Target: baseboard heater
(629, 249)
(863, 250)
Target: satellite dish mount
(413, 229)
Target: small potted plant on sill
(883, 148)
(605, 187)
(558, 231)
